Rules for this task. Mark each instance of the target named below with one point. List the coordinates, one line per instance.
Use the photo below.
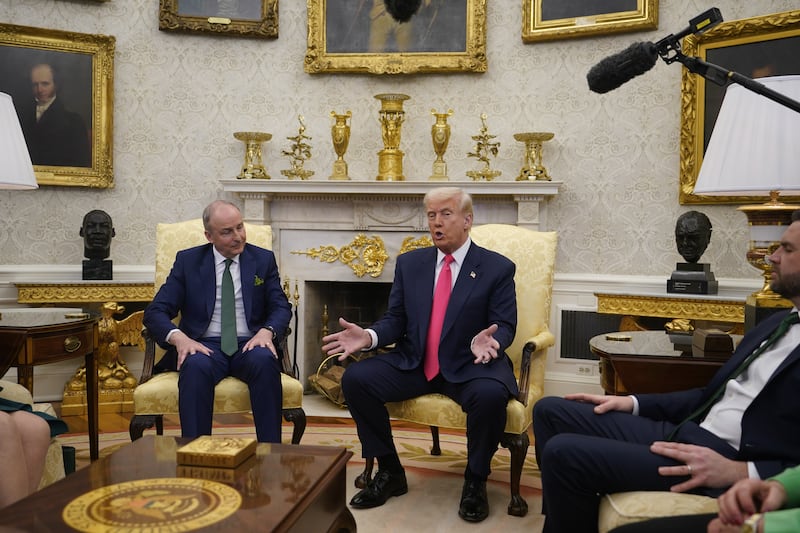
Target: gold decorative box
(208, 450)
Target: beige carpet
(434, 481)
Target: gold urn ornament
(391, 116)
(340, 135)
(533, 168)
(253, 167)
(440, 135)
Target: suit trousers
(199, 374)
(583, 456)
(370, 383)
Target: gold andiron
(340, 134)
(484, 148)
(299, 152)
(253, 165)
(440, 134)
(533, 169)
(390, 159)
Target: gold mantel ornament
(364, 255)
(391, 116)
(484, 149)
(340, 134)
(533, 168)
(253, 165)
(298, 152)
(440, 134)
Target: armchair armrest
(534, 349)
(149, 356)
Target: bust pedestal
(692, 278)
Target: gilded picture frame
(549, 20)
(755, 47)
(250, 18)
(70, 141)
(359, 36)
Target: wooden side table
(31, 337)
(648, 362)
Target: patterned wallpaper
(179, 97)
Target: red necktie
(440, 298)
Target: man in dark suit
(744, 424)
(194, 288)
(54, 135)
(468, 363)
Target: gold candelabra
(299, 152)
(391, 116)
(484, 149)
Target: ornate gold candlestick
(253, 165)
(440, 134)
(299, 152)
(484, 148)
(533, 169)
(390, 159)
(340, 134)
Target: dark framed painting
(756, 47)
(243, 18)
(361, 36)
(548, 20)
(62, 87)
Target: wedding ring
(486, 362)
(689, 469)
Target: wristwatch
(274, 335)
(751, 524)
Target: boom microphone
(402, 10)
(616, 69)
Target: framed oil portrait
(242, 18)
(756, 47)
(548, 20)
(360, 36)
(62, 87)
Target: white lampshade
(16, 169)
(755, 146)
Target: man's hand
(262, 338)
(749, 496)
(604, 403)
(484, 346)
(704, 466)
(186, 346)
(351, 339)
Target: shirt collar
(459, 255)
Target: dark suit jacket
(484, 294)
(190, 289)
(59, 138)
(770, 425)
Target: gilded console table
(715, 308)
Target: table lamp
(16, 169)
(754, 150)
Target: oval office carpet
(434, 481)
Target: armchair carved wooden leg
(435, 449)
(297, 417)
(518, 446)
(141, 422)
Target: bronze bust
(692, 235)
(97, 231)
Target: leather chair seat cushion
(159, 395)
(628, 507)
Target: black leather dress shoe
(383, 486)
(474, 502)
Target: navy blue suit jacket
(770, 425)
(483, 294)
(190, 289)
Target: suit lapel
(208, 271)
(424, 294)
(247, 273)
(468, 276)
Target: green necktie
(701, 412)
(229, 342)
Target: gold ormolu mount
(340, 135)
(440, 135)
(533, 168)
(253, 165)
(391, 116)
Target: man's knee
(354, 377)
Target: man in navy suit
(470, 363)
(193, 289)
(687, 441)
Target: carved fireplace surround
(352, 231)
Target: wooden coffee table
(283, 488)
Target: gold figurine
(391, 116)
(253, 165)
(533, 169)
(340, 134)
(484, 148)
(299, 152)
(440, 134)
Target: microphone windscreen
(615, 70)
(402, 10)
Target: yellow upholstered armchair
(534, 254)
(629, 507)
(157, 394)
